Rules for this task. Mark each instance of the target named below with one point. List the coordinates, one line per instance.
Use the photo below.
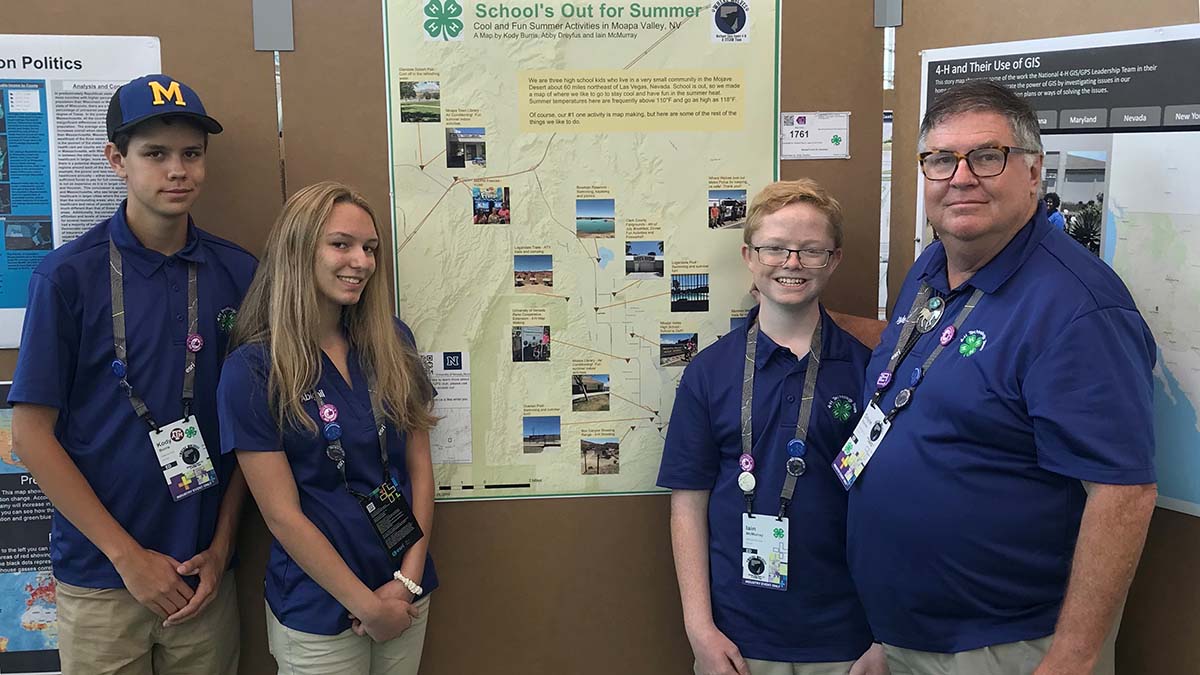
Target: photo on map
(420, 101)
(541, 433)
(1075, 171)
(689, 292)
(595, 217)
(530, 343)
(533, 273)
(644, 259)
(677, 349)
(28, 234)
(465, 147)
(490, 206)
(726, 208)
(589, 393)
(599, 456)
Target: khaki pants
(1013, 658)
(782, 668)
(299, 653)
(104, 631)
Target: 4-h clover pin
(441, 20)
(836, 140)
(842, 407)
(972, 342)
(191, 432)
(226, 318)
(778, 532)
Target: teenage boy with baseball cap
(115, 406)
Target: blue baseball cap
(152, 96)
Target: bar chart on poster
(1120, 118)
(570, 185)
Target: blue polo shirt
(299, 602)
(64, 363)
(818, 618)
(963, 525)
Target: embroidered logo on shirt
(842, 407)
(972, 342)
(226, 318)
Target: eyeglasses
(811, 258)
(983, 162)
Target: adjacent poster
(570, 184)
(54, 180)
(1120, 118)
(28, 614)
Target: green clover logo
(442, 19)
(841, 407)
(226, 318)
(972, 342)
(837, 140)
(190, 432)
(778, 533)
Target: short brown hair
(782, 193)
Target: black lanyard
(923, 317)
(120, 366)
(796, 447)
(333, 437)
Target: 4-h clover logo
(972, 342)
(442, 20)
(191, 432)
(226, 318)
(842, 407)
(778, 532)
(836, 140)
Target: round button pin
(947, 336)
(746, 481)
(746, 462)
(118, 367)
(333, 431)
(796, 467)
(328, 412)
(903, 397)
(797, 448)
(195, 343)
(915, 378)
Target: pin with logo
(195, 343)
(746, 462)
(884, 380)
(947, 335)
(796, 466)
(332, 431)
(226, 318)
(903, 398)
(118, 368)
(915, 377)
(328, 412)
(796, 448)
(842, 408)
(972, 342)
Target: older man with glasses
(757, 522)
(1003, 478)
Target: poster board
(54, 180)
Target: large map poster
(570, 181)
(1120, 118)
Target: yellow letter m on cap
(170, 93)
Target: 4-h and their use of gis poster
(568, 177)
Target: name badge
(392, 519)
(184, 458)
(764, 551)
(850, 463)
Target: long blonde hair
(281, 313)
